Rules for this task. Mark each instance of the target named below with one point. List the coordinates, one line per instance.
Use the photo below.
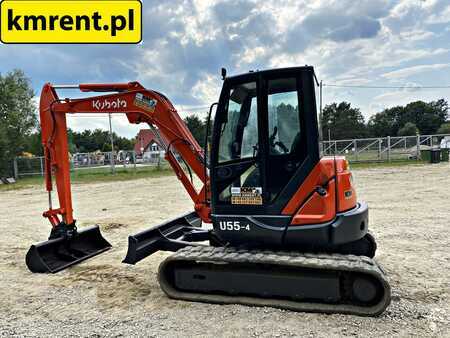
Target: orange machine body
(309, 206)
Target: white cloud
(414, 70)
(402, 97)
(441, 17)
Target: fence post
(335, 147)
(431, 142)
(134, 160)
(42, 165)
(379, 148)
(389, 149)
(355, 149)
(418, 156)
(16, 169)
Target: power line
(385, 87)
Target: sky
(185, 43)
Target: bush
(409, 129)
(444, 128)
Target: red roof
(143, 139)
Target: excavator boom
(67, 245)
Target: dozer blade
(57, 254)
(168, 236)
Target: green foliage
(287, 122)
(98, 139)
(444, 128)
(82, 142)
(409, 129)
(384, 123)
(34, 144)
(17, 117)
(427, 117)
(197, 127)
(342, 121)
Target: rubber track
(336, 262)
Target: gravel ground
(409, 214)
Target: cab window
(239, 128)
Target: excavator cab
(264, 144)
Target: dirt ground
(409, 215)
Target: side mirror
(224, 73)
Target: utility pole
(321, 97)
(321, 112)
(321, 117)
(113, 168)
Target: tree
(409, 129)
(5, 158)
(427, 116)
(444, 128)
(385, 123)
(98, 139)
(196, 127)
(17, 117)
(34, 144)
(123, 143)
(342, 121)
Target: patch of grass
(92, 175)
(122, 174)
(26, 182)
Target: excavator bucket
(57, 254)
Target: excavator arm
(67, 245)
(140, 106)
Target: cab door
(265, 143)
(237, 184)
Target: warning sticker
(146, 103)
(246, 195)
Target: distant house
(147, 144)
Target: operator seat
(281, 174)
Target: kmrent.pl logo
(63, 21)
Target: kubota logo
(108, 104)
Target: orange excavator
(274, 223)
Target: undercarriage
(206, 270)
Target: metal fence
(356, 150)
(32, 166)
(388, 148)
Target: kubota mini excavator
(287, 229)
